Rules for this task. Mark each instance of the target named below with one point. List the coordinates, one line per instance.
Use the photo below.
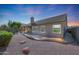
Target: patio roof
(54, 19)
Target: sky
(23, 12)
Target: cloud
(18, 7)
(73, 23)
(6, 13)
(51, 6)
(70, 8)
(31, 11)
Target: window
(56, 28)
(35, 29)
(43, 29)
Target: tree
(4, 27)
(11, 26)
(14, 26)
(9, 23)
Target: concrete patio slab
(42, 38)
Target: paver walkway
(39, 47)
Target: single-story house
(24, 28)
(51, 27)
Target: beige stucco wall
(49, 29)
(57, 20)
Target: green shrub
(5, 38)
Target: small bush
(5, 38)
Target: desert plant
(5, 38)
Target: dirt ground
(39, 47)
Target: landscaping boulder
(26, 50)
(22, 42)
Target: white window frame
(43, 27)
(35, 29)
(56, 26)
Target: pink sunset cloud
(28, 10)
(73, 23)
(31, 11)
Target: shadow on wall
(71, 35)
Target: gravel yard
(39, 47)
